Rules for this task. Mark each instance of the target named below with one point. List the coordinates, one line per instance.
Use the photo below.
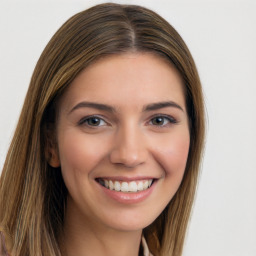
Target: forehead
(127, 79)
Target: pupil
(158, 120)
(94, 121)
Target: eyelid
(170, 118)
(83, 120)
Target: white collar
(146, 251)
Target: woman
(106, 154)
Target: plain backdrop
(222, 38)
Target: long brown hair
(32, 193)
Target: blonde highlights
(32, 193)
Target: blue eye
(93, 121)
(162, 120)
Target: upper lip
(124, 178)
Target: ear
(51, 151)
(53, 159)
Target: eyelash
(88, 118)
(170, 120)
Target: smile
(125, 186)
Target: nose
(130, 149)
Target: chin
(131, 222)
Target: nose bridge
(129, 146)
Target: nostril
(129, 159)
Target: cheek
(173, 154)
(79, 154)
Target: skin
(128, 142)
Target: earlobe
(53, 158)
(52, 154)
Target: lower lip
(129, 198)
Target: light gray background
(221, 35)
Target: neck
(82, 237)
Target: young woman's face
(123, 141)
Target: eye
(162, 120)
(93, 121)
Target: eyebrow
(104, 107)
(159, 105)
(99, 106)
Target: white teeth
(111, 185)
(125, 187)
(117, 186)
(145, 184)
(133, 186)
(140, 186)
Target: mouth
(133, 186)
